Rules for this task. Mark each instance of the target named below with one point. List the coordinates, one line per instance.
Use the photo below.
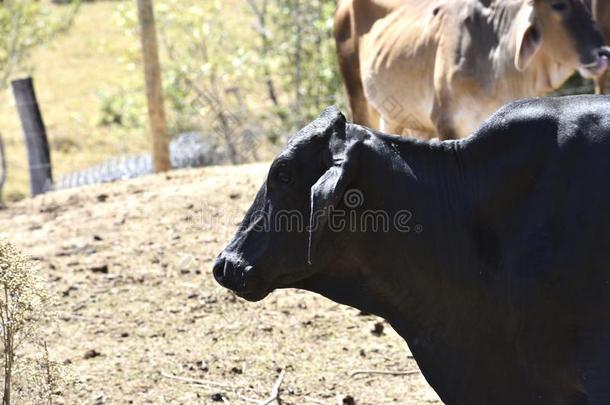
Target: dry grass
(131, 264)
(69, 75)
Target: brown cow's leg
(346, 41)
(362, 112)
(600, 83)
(374, 118)
(389, 127)
(347, 33)
(446, 132)
(442, 117)
(442, 111)
(423, 135)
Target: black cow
(490, 256)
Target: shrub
(243, 72)
(29, 374)
(121, 108)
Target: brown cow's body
(439, 68)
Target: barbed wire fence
(225, 137)
(187, 150)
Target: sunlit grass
(70, 73)
(99, 57)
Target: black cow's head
(281, 240)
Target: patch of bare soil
(131, 265)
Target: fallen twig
(208, 383)
(383, 372)
(198, 382)
(275, 392)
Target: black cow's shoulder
(550, 120)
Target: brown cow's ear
(528, 37)
(328, 191)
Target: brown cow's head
(276, 241)
(564, 31)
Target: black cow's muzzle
(238, 278)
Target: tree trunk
(154, 88)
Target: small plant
(30, 376)
(122, 108)
(40, 377)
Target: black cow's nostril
(229, 274)
(235, 276)
(218, 270)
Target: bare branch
(195, 381)
(208, 383)
(383, 372)
(261, 28)
(275, 392)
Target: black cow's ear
(328, 191)
(334, 122)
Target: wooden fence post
(154, 89)
(39, 157)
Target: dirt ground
(131, 263)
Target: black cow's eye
(284, 177)
(281, 174)
(559, 6)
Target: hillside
(130, 263)
(70, 75)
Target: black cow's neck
(392, 273)
(432, 271)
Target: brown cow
(440, 67)
(601, 15)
